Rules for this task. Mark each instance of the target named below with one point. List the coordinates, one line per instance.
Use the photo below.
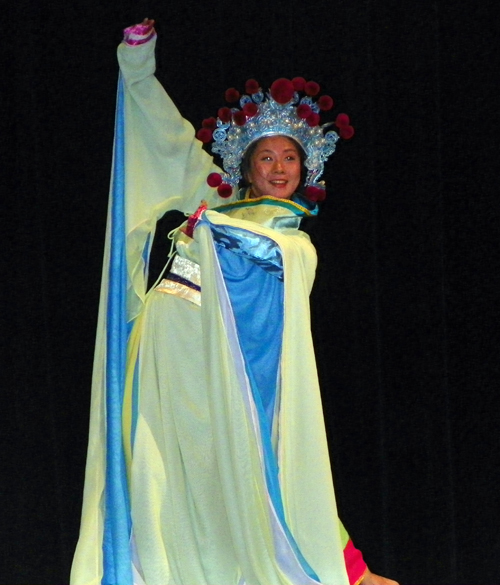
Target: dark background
(405, 308)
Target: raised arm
(166, 166)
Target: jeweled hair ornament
(282, 111)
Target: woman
(223, 476)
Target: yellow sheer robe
(199, 503)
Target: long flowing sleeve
(165, 165)
(158, 165)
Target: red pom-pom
(311, 88)
(239, 118)
(209, 123)
(282, 90)
(204, 134)
(325, 103)
(342, 120)
(315, 193)
(250, 109)
(224, 190)
(252, 86)
(346, 132)
(304, 111)
(224, 114)
(214, 179)
(298, 83)
(313, 119)
(232, 95)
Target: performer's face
(275, 168)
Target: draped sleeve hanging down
(207, 459)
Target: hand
(372, 579)
(148, 23)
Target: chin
(282, 195)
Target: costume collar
(298, 205)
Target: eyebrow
(291, 149)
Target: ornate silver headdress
(281, 111)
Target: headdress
(283, 112)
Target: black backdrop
(405, 308)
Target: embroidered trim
(179, 290)
(286, 203)
(183, 281)
(179, 280)
(186, 269)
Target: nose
(278, 167)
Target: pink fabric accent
(194, 219)
(355, 565)
(133, 43)
(138, 34)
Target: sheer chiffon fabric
(228, 474)
(202, 510)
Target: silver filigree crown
(262, 115)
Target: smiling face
(275, 168)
